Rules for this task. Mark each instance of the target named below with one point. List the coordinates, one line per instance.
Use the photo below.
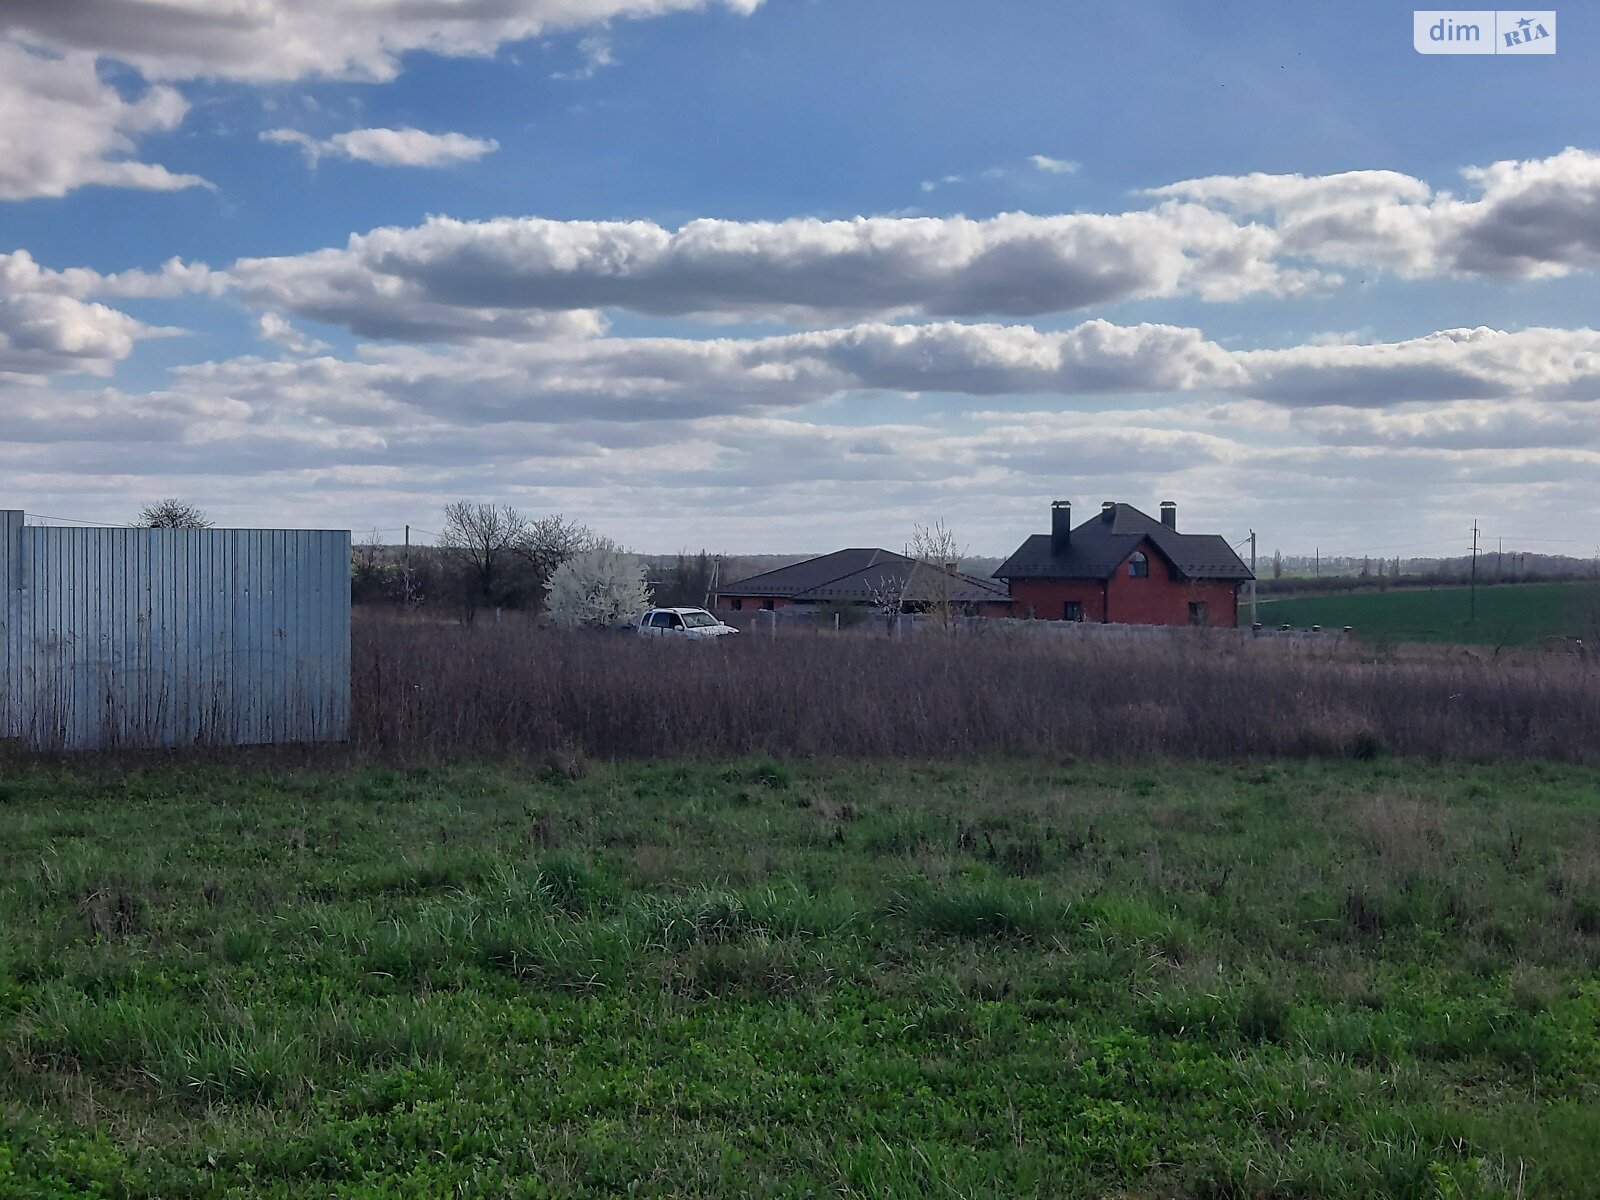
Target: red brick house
(1124, 567)
(858, 576)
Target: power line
(82, 521)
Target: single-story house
(861, 576)
(1123, 566)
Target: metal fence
(168, 637)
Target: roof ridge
(878, 556)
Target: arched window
(1138, 566)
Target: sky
(789, 275)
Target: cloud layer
(1221, 239)
(1534, 218)
(804, 269)
(498, 372)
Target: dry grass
(430, 692)
(1408, 836)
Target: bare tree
(933, 580)
(547, 542)
(174, 514)
(482, 537)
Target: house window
(1072, 610)
(1197, 612)
(737, 604)
(766, 605)
(1138, 566)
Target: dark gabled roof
(856, 574)
(1099, 546)
(802, 576)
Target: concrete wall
(162, 637)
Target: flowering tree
(603, 585)
(888, 596)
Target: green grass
(1508, 614)
(1332, 980)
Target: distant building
(1125, 567)
(861, 575)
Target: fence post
(11, 584)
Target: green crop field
(1507, 614)
(1366, 978)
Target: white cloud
(281, 40)
(42, 335)
(273, 328)
(19, 272)
(1453, 364)
(388, 147)
(801, 269)
(331, 287)
(596, 52)
(62, 127)
(630, 379)
(47, 328)
(1531, 218)
(1053, 166)
(1461, 425)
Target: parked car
(682, 623)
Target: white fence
(168, 637)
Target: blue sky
(1270, 350)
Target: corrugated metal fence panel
(167, 637)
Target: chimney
(950, 568)
(1060, 527)
(1108, 511)
(1169, 514)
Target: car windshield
(698, 620)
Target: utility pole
(406, 569)
(1500, 562)
(1472, 603)
(714, 579)
(1253, 621)
(1318, 567)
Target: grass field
(1340, 979)
(1509, 614)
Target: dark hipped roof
(854, 574)
(1100, 546)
